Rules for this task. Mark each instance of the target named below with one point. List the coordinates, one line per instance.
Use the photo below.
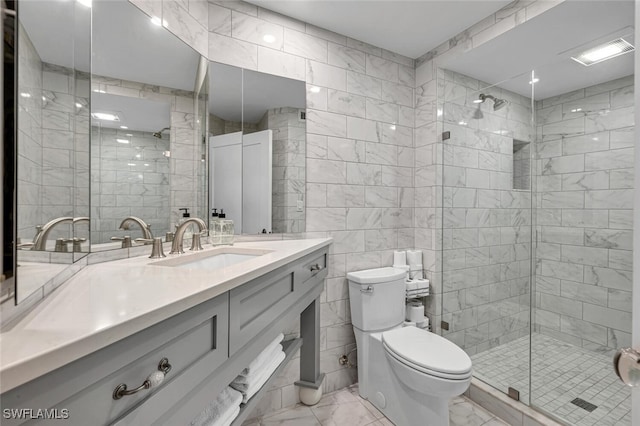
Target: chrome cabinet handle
(153, 380)
(626, 363)
(367, 289)
(316, 268)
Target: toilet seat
(428, 353)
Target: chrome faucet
(176, 245)
(146, 229)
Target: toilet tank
(377, 298)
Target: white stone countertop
(107, 302)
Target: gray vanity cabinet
(206, 346)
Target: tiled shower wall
(53, 148)
(585, 193)
(185, 162)
(289, 171)
(486, 232)
(134, 181)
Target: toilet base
(401, 404)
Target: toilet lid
(427, 350)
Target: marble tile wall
(585, 200)
(128, 180)
(30, 159)
(486, 223)
(289, 168)
(185, 161)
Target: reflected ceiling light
(392, 127)
(477, 101)
(146, 164)
(166, 153)
(314, 89)
(159, 22)
(44, 98)
(122, 140)
(595, 139)
(26, 95)
(131, 164)
(86, 3)
(269, 38)
(78, 105)
(129, 134)
(124, 127)
(138, 156)
(534, 80)
(107, 116)
(603, 52)
(576, 110)
(462, 123)
(99, 91)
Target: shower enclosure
(536, 242)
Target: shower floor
(561, 372)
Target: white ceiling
(545, 44)
(137, 114)
(126, 45)
(411, 28)
(234, 92)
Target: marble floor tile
(345, 407)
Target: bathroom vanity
(196, 320)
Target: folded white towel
(250, 389)
(229, 419)
(264, 357)
(257, 369)
(225, 403)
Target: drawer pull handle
(316, 268)
(152, 381)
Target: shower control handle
(626, 363)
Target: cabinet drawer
(85, 387)
(255, 305)
(311, 269)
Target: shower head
(159, 134)
(497, 103)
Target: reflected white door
(225, 178)
(256, 182)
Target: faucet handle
(157, 251)
(126, 241)
(61, 245)
(196, 245)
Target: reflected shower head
(497, 103)
(159, 134)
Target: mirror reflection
(257, 136)
(53, 140)
(146, 154)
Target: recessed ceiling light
(534, 80)
(25, 95)
(105, 116)
(122, 140)
(85, 2)
(603, 52)
(269, 38)
(124, 127)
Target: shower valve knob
(626, 363)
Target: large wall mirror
(52, 140)
(257, 139)
(146, 142)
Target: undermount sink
(213, 259)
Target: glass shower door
(486, 220)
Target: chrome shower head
(159, 134)
(497, 103)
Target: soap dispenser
(185, 215)
(215, 228)
(227, 229)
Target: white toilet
(407, 373)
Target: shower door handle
(626, 363)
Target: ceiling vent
(603, 52)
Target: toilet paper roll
(399, 258)
(416, 313)
(424, 323)
(414, 258)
